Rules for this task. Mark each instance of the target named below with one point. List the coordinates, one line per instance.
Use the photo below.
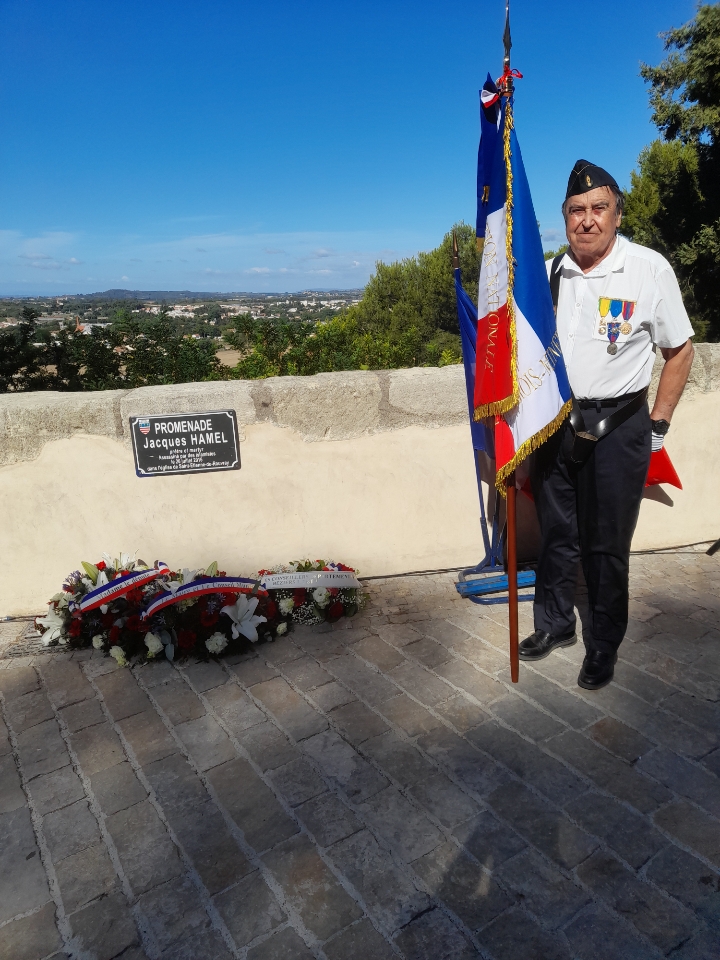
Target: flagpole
(512, 577)
(510, 485)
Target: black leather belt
(584, 440)
(610, 402)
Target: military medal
(611, 311)
(613, 332)
(628, 308)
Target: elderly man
(616, 302)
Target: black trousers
(589, 513)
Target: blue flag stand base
(482, 583)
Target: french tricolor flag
(520, 374)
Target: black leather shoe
(597, 670)
(541, 644)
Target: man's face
(591, 223)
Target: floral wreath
(136, 612)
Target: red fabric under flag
(661, 470)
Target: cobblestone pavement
(374, 790)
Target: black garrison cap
(586, 176)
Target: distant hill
(206, 295)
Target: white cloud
(124, 278)
(74, 260)
(258, 270)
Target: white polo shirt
(633, 297)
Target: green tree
(20, 359)
(406, 318)
(674, 201)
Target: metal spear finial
(507, 40)
(455, 251)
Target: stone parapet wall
(373, 468)
(328, 406)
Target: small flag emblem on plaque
(144, 427)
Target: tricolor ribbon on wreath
(114, 589)
(197, 588)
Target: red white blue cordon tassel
(119, 587)
(199, 587)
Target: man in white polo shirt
(616, 302)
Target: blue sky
(235, 145)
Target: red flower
(229, 599)
(114, 635)
(335, 610)
(101, 565)
(107, 619)
(271, 609)
(208, 619)
(221, 573)
(299, 596)
(134, 623)
(333, 591)
(134, 597)
(186, 639)
(75, 628)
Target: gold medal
(625, 329)
(612, 349)
(602, 329)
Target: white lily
(187, 576)
(242, 615)
(53, 626)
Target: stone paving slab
(373, 790)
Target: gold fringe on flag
(532, 443)
(499, 407)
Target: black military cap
(586, 176)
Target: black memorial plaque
(181, 443)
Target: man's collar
(612, 263)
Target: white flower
(292, 567)
(281, 629)
(321, 596)
(53, 626)
(101, 579)
(153, 643)
(187, 576)
(117, 653)
(98, 640)
(87, 583)
(216, 643)
(241, 613)
(286, 605)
